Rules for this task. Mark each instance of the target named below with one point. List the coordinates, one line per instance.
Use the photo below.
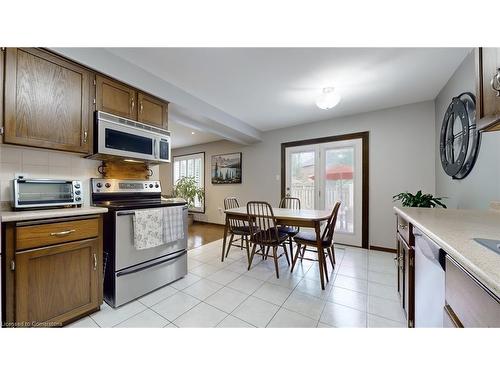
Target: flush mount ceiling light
(328, 99)
(192, 133)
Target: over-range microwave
(123, 139)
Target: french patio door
(324, 173)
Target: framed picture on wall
(226, 168)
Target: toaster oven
(45, 193)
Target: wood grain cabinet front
(116, 98)
(488, 88)
(47, 101)
(57, 283)
(152, 111)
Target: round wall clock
(459, 141)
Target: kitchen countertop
(10, 216)
(453, 230)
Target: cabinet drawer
(40, 235)
(470, 302)
(404, 229)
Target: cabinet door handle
(141, 107)
(495, 82)
(132, 103)
(85, 136)
(63, 233)
(95, 261)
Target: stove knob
(157, 186)
(99, 185)
(77, 186)
(108, 185)
(150, 185)
(77, 192)
(78, 199)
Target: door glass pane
(339, 185)
(302, 178)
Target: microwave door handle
(155, 149)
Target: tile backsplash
(38, 163)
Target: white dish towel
(173, 224)
(148, 228)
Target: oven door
(126, 141)
(126, 254)
(43, 193)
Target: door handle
(141, 107)
(95, 261)
(495, 82)
(85, 136)
(63, 233)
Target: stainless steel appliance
(429, 282)
(45, 193)
(117, 138)
(130, 273)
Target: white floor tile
(109, 317)
(385, 308)
(146, 319)
(186, 281)
(256, 311)
(158, 295)
(342, 316)
(261, 271)
(349, 298)
(289, 319)
(357, 272)
(358, 285)
(287, 279)
(273, 293)
(171, 325)
(313, 288)
(305, 304)
(324, 325)
(203, 289)
(246, 284)
(200, 316)
(383, 291)
(193, 263)
(226, 299)
(86, 322)
(205, 270)
(224, 276)
(375, 321)
(233, 322)
(238, 267)
(383, 278)
(176, 305)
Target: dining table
(302, 218)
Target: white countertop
(9, 216)
(453, 230)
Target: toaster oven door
(43, 193)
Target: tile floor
(361, 293)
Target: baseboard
(384, 249)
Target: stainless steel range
(128, 272)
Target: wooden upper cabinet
(57, 283)
(47, 100)
(152, 111)
(116, 98)
(488, 88)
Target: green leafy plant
(418, 200)
(187, 188)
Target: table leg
(224, 239)
(321, 257)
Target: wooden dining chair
(294, 204)
(237, 227)
(308, 239)
(264, 233)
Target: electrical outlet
(220, 210)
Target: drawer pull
(63, 233)
(95, 262)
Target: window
(192, 165)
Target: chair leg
(291, 247)
(247, 247)
(230, 243)
(331, 256)
(325, 266)
(297, 253)
(267, 253)
(333, 253)
(303, 253)
(251, 256)
(275, 256)
(286, 254)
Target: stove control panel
(107, 185)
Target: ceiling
(271, 88)
(182, 135)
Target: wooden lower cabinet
(57, 283)
(51, 284)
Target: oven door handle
(123, 213)
(135, 270)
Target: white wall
(402, 157)
(482, 185)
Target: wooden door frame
(365, 200)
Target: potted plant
(187, 188)
(418, 200)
